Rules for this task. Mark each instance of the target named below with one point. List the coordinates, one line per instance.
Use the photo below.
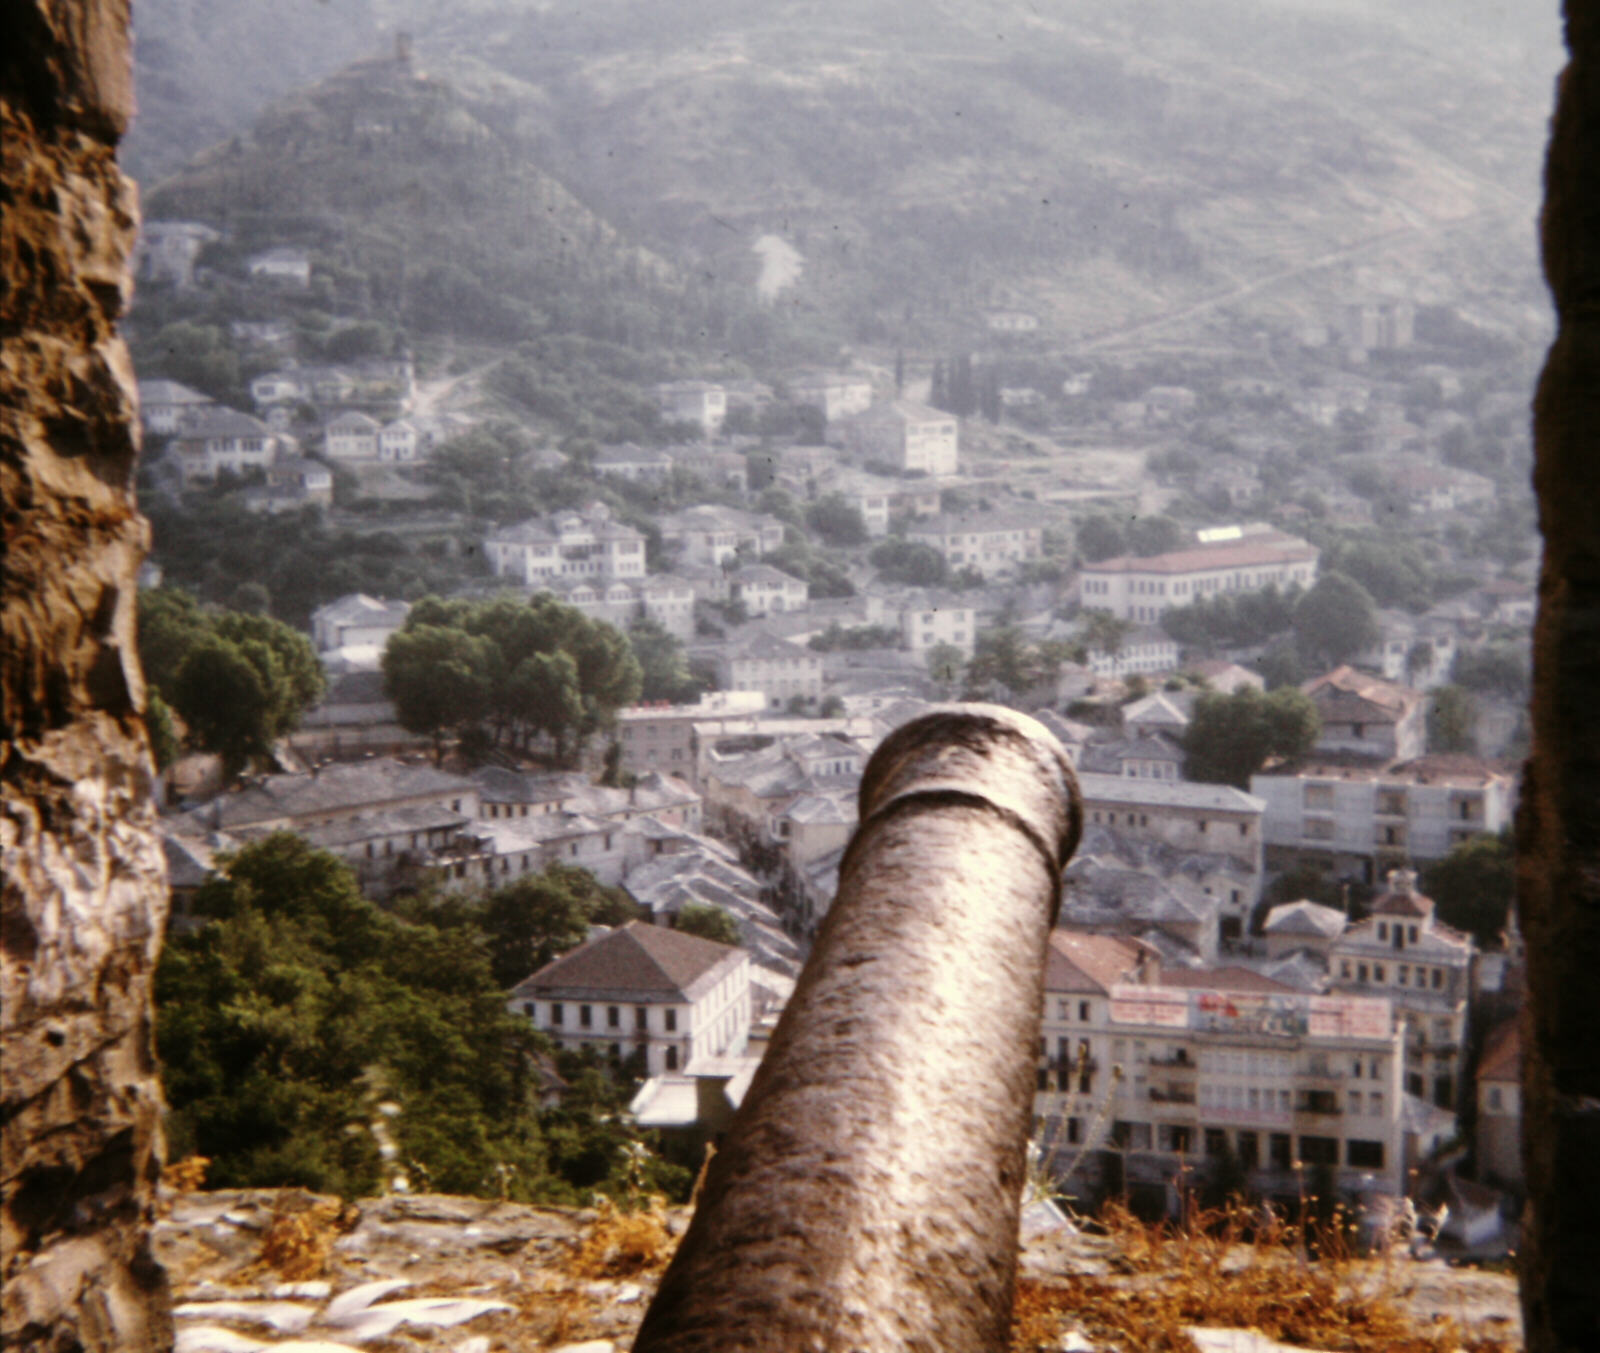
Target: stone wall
(1558, 832)
(83, 894)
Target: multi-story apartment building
(162, 405)
(1145, 1071)
(697, 402)
(662, 598)
(352, 436)
(1356, 820)
(643, 989)
(587, 544)
(1143, 588)
(1364, 715)
(1404, 953)
(908, 436)
(938, 618)
(662, 737)
(782, 671)
(994, 543)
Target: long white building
(1143, 588)
(577, 545)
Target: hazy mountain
(1103, 163)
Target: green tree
(663, 664)
(1474, 884)
(171, 623)
(164, 742)
(1335, 620)
(1452, 720)
(837, 520)
(909, 561)
(437, 678)
(708, 922)
(1103, 632)
(1101, 538)
(1154, 535)
(945, 665)
(1230, 737)
(282, 1023)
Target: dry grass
(624, 1244)
(1222, 1270)
(299, 1239)
(186, 1175)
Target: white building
(1145, 651)
(168, 250)
(1403, 952)
(698, 402)
(1011, 322)
(211, 438)
(286, 265)
(1364, 715)
(578, 545)
(1145, 1070)
(781, 671)
(837, 394)
(664, 599)
(938, 618)
(710, 534)
(357, 620)
(1363, 820)
(662, 737)
(1143, 588)
(994, 543)
(907, 436)
(765, 590)
(352, 436)
(397, 441)
(635, 463)
(163, 404)
(643, 989)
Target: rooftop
(1121, 789)
(1267, 548)
(637, 960)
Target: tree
(171, 623)
(164, 742)
(663, 664)
(1101, 538)
(909, 561)
(708, 922)
(1103, 632)
(1230, 737)
(945, 664)
(1474, 884)
(437, 678)
(532, 922)
(1154, 535)
(837, 521)
(1334, 621)
(1452, 720)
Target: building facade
(576, 545)
(1144, 588)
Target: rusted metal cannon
(868, 1193)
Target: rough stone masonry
(84, 898)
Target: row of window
(613, 1016)
(1179, 1138)
(1416, 975)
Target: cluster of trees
(1230, 737)
(837, 637)
(798, 557)
(1335, 620)
(837, 521)
(504, 672)
(1006, 662)
(1494, 669)
(300, 1007)
(909, 561)
(1101, 537)
(239, 681)
(959, 388)
(1233, 619)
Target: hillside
(1105, 166)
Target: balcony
(1177, 1062)
(1171, 1094)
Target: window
(1403, 977)
(641, 1017)
(672, 1059)
(1355, 1101)
(1249, 1150)
(1438, 978)
(1083, 1010)
(672, 1021)
(1074, 1131)
(1361, 972)
(585, 1015)
(1377, 972)
(613, 1017)
(1495, 1098)
(558, 1013)
(527, 1009)
(1364, 1155)
(1319, 1150)
(1280, 1150)
(1383, 931)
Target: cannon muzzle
(866, 1198)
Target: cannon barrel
(867, 1196)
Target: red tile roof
(1502, 1058)
(1079, 961)
(1222, 979)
